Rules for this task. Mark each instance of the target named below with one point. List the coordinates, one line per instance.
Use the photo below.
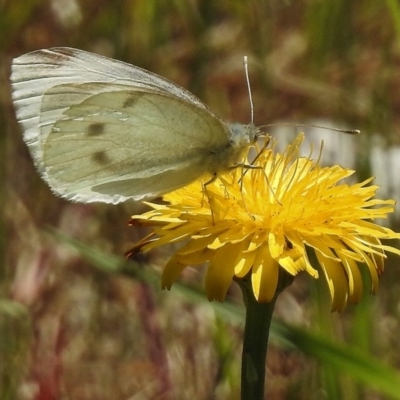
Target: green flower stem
(256, 333)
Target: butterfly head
(243, 135)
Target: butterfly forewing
(33, 74)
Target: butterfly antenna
(348, 131)
(246, 72)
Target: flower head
(260, 219)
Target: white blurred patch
(385, 161)
(339, 148)
(68, 12)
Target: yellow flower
(265, 218)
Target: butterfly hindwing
(128, 136)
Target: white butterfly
(103, 130)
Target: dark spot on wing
(58, 55)
(100, 157)
(68, 51)
(95, 129)
(132, 99)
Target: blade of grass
(345, 359)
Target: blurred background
(73, 324)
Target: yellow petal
(337, 281)
(171, 272)
(354, 278)
(265, 275)
(276, 243)
(220, 272)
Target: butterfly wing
(102, 130)
(128, 144)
